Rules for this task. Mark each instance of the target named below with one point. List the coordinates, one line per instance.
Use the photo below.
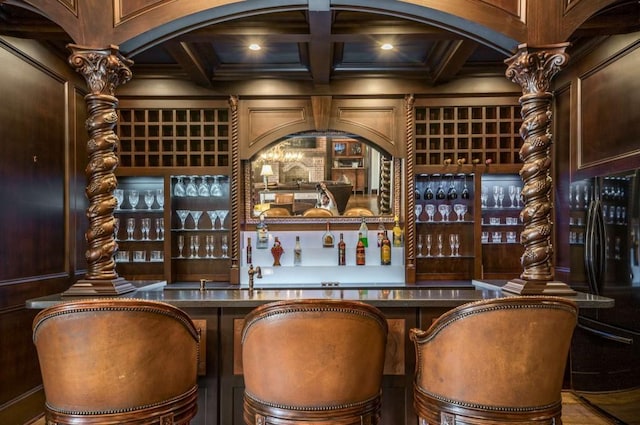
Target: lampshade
(266, 170)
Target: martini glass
(182, 215)
(196, 217)
(222, 215)
(212, 216)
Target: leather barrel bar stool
(498, 361)
(117, 361)
(313, 362)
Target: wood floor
(574, 412)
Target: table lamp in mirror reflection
(265, 173)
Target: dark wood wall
(42, 210)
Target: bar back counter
(219, 311)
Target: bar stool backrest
(117, 361)
(494, 361)
(313, 361)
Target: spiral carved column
(533, 69)
(409, 227)
(235, 192)
(103, 70)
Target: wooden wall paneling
(562, 179)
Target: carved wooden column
(533, 69)
(409, 223)
(236, 254)
(103, 70)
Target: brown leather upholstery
(494, 362)
(317, 212)
(284, 198)
(358, 212)
(313, 362)
(109, 361)
(277, 212)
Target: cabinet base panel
(99, 287)
(524, 287)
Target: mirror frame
(396, 201)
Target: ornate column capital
(103, 69)
(534, 67)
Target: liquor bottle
(262, 231)
(327, 238)
(360, 252)
(249, 251)
(381, 232)
(364, 230)
(397, 232)
(385, 251)
(276, 252)
(297, 252)
(342, 250)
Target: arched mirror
(318, 175)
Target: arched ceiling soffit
(593, 16)
(136, 26)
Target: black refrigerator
(604, 223)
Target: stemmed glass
(457, 208)
(222, 215)
(195, 246)
(203, 189)
(496, 193)
(452, 243)
(484, 196)
(179, 189)
(518, 195)
(148, 198)
(456, 244)
(418, 211)
(119, 195)
(428, 194)
(180, 245)
(428, 244)
(196, 217)
(225, 247)
(131, 228)
(160, 198)
(212, 216)
(501, 195)
(440, 194)
(191, 188)
(444, 211)
(182, 215)
(159, 228)
(145, 226)
(419, 246)
(116, 227)
(465, 190)
(207, 246)
(134, 198)
(440, 244)
(452, 193)
(216, 188)
(431, 211)
(512, 194)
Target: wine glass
(452, 193)
(195, 246)
(440, 244)
(149, 198)
(418, 211)
(419, 246)
(180, 245)
(216, 188)
(519, 195)
(444, 211)
(159, 228)
(429, 244)
(484, 196)
(500, 195)
(496, 193)
(131, 228)
(134, 198)
(191, 188)
(196, 217)
(457, 208)
(428, 194)
(182, 215)
(440, 194)
(116, 227)
(456, 244)
(225, 247)
(203, 189)
(465, 190)
(160, 198)
(179, 189)
(222, 215)
(145, 225)
(431, 211)
(119, 195)
(512, 194)
(452, 244)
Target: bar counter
(219, 311)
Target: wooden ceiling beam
(320, 44)
(189, 60)
(448, 57)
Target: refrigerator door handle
(589, 248)
(606, 335)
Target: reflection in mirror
(332, 171)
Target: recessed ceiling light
(386, 46)
(254, 46)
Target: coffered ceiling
(317, 47)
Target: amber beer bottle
(342, 250)
(385, 251)
(360, 252)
